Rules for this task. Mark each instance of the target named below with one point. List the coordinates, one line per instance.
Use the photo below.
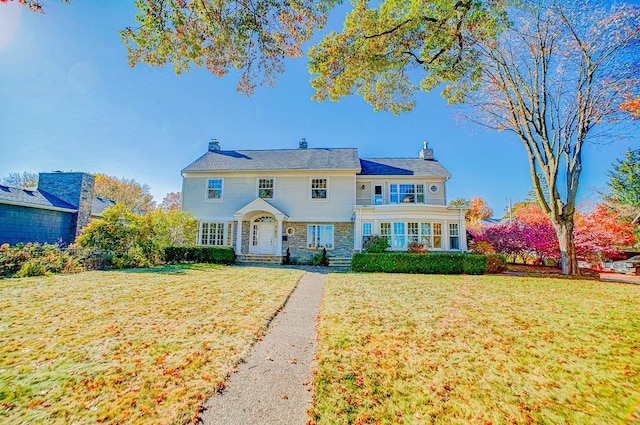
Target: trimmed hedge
(200, 254)
(438, 263)
(474, 264)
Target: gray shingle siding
(277, 159)
(23, 224)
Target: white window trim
(311, 178)
(258, 187)
(226, 235)
(420, 235)
(206, 190)
(415, 185)
(457, 235)
(333, 237)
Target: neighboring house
(55, 212)
(262, 202)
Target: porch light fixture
(362, 187)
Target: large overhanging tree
(552, 72)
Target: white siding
(292, 195)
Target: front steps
(340, 262)
(343, 262)
(259, 259)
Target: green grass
(419, 349)
(129, 346)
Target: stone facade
(74, 188)
(22, 224)
(297, 243)
(245, 237)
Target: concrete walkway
(273, 385)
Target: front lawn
(143, 346)
(477, 349)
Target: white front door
(266, 238)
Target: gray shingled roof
(277, 159)
(402, 167)
(100, 204)
(36, 198)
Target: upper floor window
(265, 188)
(319, 188)
(214, 189)
(406, 193)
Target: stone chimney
(426, 153)
(214, 145)
(75, 189)
(303, 144)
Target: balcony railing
(380, 200)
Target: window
(214, 189)
(406, 193)
(366, 232)
(385, 231)
(399, 237)
(319, 188)
(265, 188)
(320, 236)
(212, 234)
(437, 235)
(413, 232)
(434, 188)
(454, 237)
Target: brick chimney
(75, 189)
(426, 153)
(214, 145)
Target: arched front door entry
(263, 235)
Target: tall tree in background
(24, 180)
(624, 184)
(128, 192)
(478, 209)
(172, 202)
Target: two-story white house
(263, 202)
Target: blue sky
(70, 101)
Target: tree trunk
(568, 261)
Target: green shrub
(134, 240)
(438, 263)
(320, 259)
(200, 254)
(474, 264)
(32, 267)
(496, 263)
(376, 244)
(33, 259)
